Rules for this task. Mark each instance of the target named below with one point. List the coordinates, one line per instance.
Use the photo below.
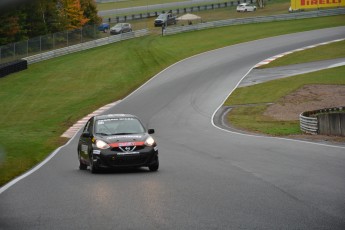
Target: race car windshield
(118, 126)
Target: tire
(82, 166)
(154, 167)
(93, 168)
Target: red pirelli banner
(309, 4)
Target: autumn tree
(23, 19)
(89, 8)
(71, 14)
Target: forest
(21, 20)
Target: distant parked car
(245, 7)
(104, 27)
(120, 28)
(165, 19)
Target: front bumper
(117, 159)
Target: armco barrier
(85, 46)
(308, 124)
(177, 8)
(238, 21)
(330, 121)
(12, 67)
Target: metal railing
(50, 42)
(308, 124)
(119, 16)
(85, 46)
(238, 21)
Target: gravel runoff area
(307, 98)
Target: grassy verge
(39, 104)
(271, 8)
(251, 117)
(323, 52)
(132, 3)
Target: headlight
(101, 144)
(149, 141)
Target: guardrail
(238, 21)
(329, 121)
(85, 46)
(308, 124)
(178, 9)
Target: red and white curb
(268, 60)
(77, 126)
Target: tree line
(22, 20)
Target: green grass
(251, 117)
(271, 8)
(323, 52)
(132, 3)
(40, 103)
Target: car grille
(123, 149)
(128, 160)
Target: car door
(126, 28)
(85, 141)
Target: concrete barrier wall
(332, 124)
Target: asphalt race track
(208, 178)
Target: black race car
(114, 141)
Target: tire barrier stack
(13, 67)
(329, 121)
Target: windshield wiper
(103, 134)
(121, 133)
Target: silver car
(120, 28)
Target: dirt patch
(307, 98)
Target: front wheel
(82, 166)
(154, 167)
(93, 167)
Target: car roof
(109, 116)
(162, 15)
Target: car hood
(135, 138)
(117, 29)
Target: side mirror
(86, 135)
(151, 131)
